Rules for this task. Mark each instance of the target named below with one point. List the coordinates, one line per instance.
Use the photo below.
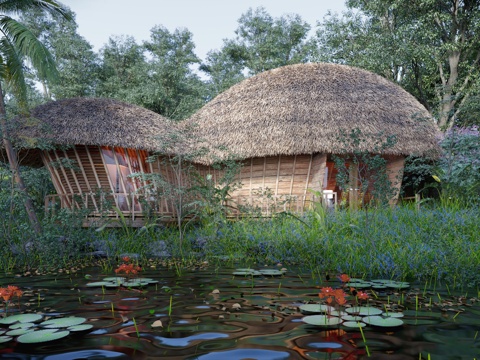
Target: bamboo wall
(97, 178)
(395, 168)
(275, 183)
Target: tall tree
(76, 62)
(18, 43)
(431, 47)
(123, 70)
(175, 90)
(261, 43)
(224, 67)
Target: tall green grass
(400, 243)
(434, 244)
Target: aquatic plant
(128, 268)
(8, 293)
(27, 330)
(338, 313)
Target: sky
(210, 21)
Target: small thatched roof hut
(301, 109)
(292, 117)
(91, 146)
(93, 121)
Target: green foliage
(370, 176)
(417, 175)
(173, 88)
(76, 62)
(399, 244)
(157, 75)
(213, 193)
(459, 167)
(182, 187)
(261, 43)
(122, 70)
(429, 47)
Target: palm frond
(11, 69)
(26, 45)
(16, 7)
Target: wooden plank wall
(319, 163)
(395, 168)
(86, 177)
(276, 175)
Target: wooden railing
(136, 207)
(110, 204)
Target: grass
(435, 245)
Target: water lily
(10, 291)
(362, 295)
(128, 269)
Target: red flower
(126, 259)
(362, 295)
(10, 291)
(128, 269)
(344, 278)
(5, 294)
(325, 292)
(341, 300)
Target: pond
(210, 313)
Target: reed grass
(432, 245)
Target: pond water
(249, 317)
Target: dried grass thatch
(303, 108)
(91, 121)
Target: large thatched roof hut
(91, 146)
(286, 123)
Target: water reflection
(249, 318)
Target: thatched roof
(303, 108)
(92, 121)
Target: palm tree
(17, 44)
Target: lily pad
(391, 283)
(315, 308)
(148, 280)
(112, 285)
(272, 272)
(354, 324)
(363, 310)
(82, 327)
(359, 285)
(382, 321)
(4, 339)
(23, 318)
(247, 272)
(135, 283)
(62, 322)
(21, 326)
(322, 320)
(393, 314)
(102, 283)
(398, 285)
(16, 332)
(115, 279)
(351, 318)
(379, 286)
(40, 336)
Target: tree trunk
(14, 168)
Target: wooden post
(353, 183)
